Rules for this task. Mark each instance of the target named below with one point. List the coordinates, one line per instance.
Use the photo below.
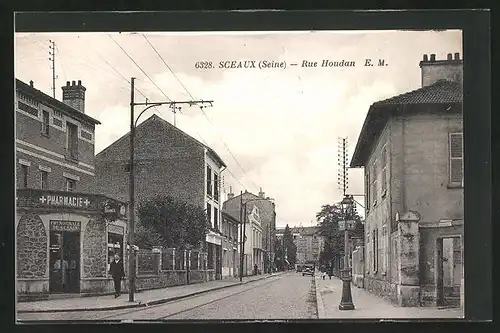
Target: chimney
(74, 95)
(32, 84)
(449, 69)
(230, 195)
(261, 194)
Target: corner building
(411, 149)
(61, 232)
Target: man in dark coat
(117, 272)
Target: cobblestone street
(287, 296)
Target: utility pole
(346, 301)
(131, 258)
(133, 125)
(174, 111)
(342, 163)
(53, 59)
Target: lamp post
(346, 301)
(243, 211)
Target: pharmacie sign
(65, 201)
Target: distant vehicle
(308, 271)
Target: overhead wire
(206, 117)
(140, 68)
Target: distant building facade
(308, 242)
(230, 246)
(259, 229)
(411, 148)
(62, 231)
(167, 162)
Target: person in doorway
(117, 272)
(255, 268)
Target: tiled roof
(54, 102)
(445, 96)
(440, 92)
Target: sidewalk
(142, 299)
(369, 306)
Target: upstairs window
(44, 176)
(45, 123)
(72, 141)
(23, 182)
(209, 181)
(216, 187)
(70, 185)
(209, 214)
(216, 219)
(456, 159)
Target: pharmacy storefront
(64, 241)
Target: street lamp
(346, 302)
(243, 210)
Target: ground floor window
(115, 245)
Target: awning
(213, 238)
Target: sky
(275, 128)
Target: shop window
(115, 246)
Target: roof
(54, 102)
(441, 92)
(154, 117)
(230, 217)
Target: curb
(146, 304)
(320, 307)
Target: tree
(176, 223)
(290, 247)
(329, 217)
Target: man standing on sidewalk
(117, 272)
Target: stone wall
(94, 249)
(31, 247)
(381, 288)
(358, 267)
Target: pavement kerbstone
(24, 307)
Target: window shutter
(456, 158)
(384, 169)
(367, 189)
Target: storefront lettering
(56, 200)
(64, 226)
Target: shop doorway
(64, 261)
(449, 271)
(218, 262)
